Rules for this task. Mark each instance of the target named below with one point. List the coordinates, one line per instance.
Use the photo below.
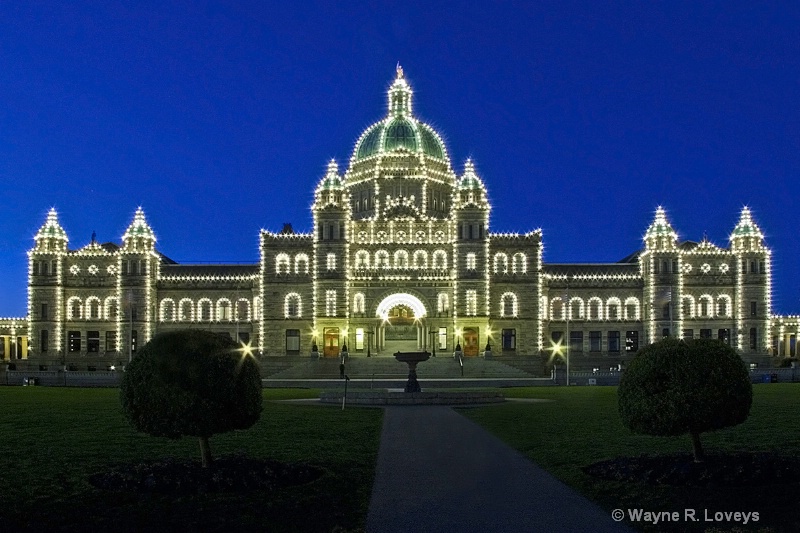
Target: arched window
(420, 259)
(440, 259)
(358, 303)
(576, 309)
(508, 305)
(282, 264)
(595, 308)
(632, 308)
(74, 308)
(224, 310)
(382, 259)
(93, 308)
(401, 259)
(519, 263)
(243, 310)
(443, 303)
(186, 310)
(500, 263)
(204, 310)
(705, 305)
(687, 306)
(724, 305)
(167, 310)
(362, 259)
(301, 264)
(613, 305)
(292, 306)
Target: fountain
(411, 359)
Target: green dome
(400, 130)
(400, 133)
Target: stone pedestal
(411, 359)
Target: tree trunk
(697, 448)
(205, 452)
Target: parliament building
(401, 255)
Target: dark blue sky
(218, 120)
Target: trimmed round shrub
(191, 383)
(677, 387)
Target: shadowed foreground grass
(54, 439)
(581, 426)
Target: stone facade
(398, 230)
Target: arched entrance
(402, 325)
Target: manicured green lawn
(582, 426)
(53, 439)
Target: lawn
(54, 439)
(582, 426)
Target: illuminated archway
(405, 299)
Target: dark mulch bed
(729, 470)
(185, 476)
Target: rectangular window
(752, 267)
(725, 336)
(595, 340)
(613, 341)
(45, 266)
(705, 333)
(359, 339)
(36, 268)
(442, 338)
(762, 267)
(44, 337)
(509, 339)
(665, 333)
(111, 341)
(557, 337)
(44, 311)
(93, 342)
(753, 309)
(472, 303)
(293, 341)
(665, 310)
(753, 338)
(688, 334)
(74, 341)
(3, 348)
(631, 341)
(330, 303)
(471, 261)
(674, 265)
(576, 341)
(244, 337)
(134, 340)
(331, 261)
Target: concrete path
(439, 471)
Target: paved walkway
(439, 471)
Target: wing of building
(401, 253)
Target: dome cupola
(660, 235)
(400, 131)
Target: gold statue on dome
(399, 71)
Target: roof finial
(400, 74)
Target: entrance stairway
(387, 367)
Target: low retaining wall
(412, 398)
